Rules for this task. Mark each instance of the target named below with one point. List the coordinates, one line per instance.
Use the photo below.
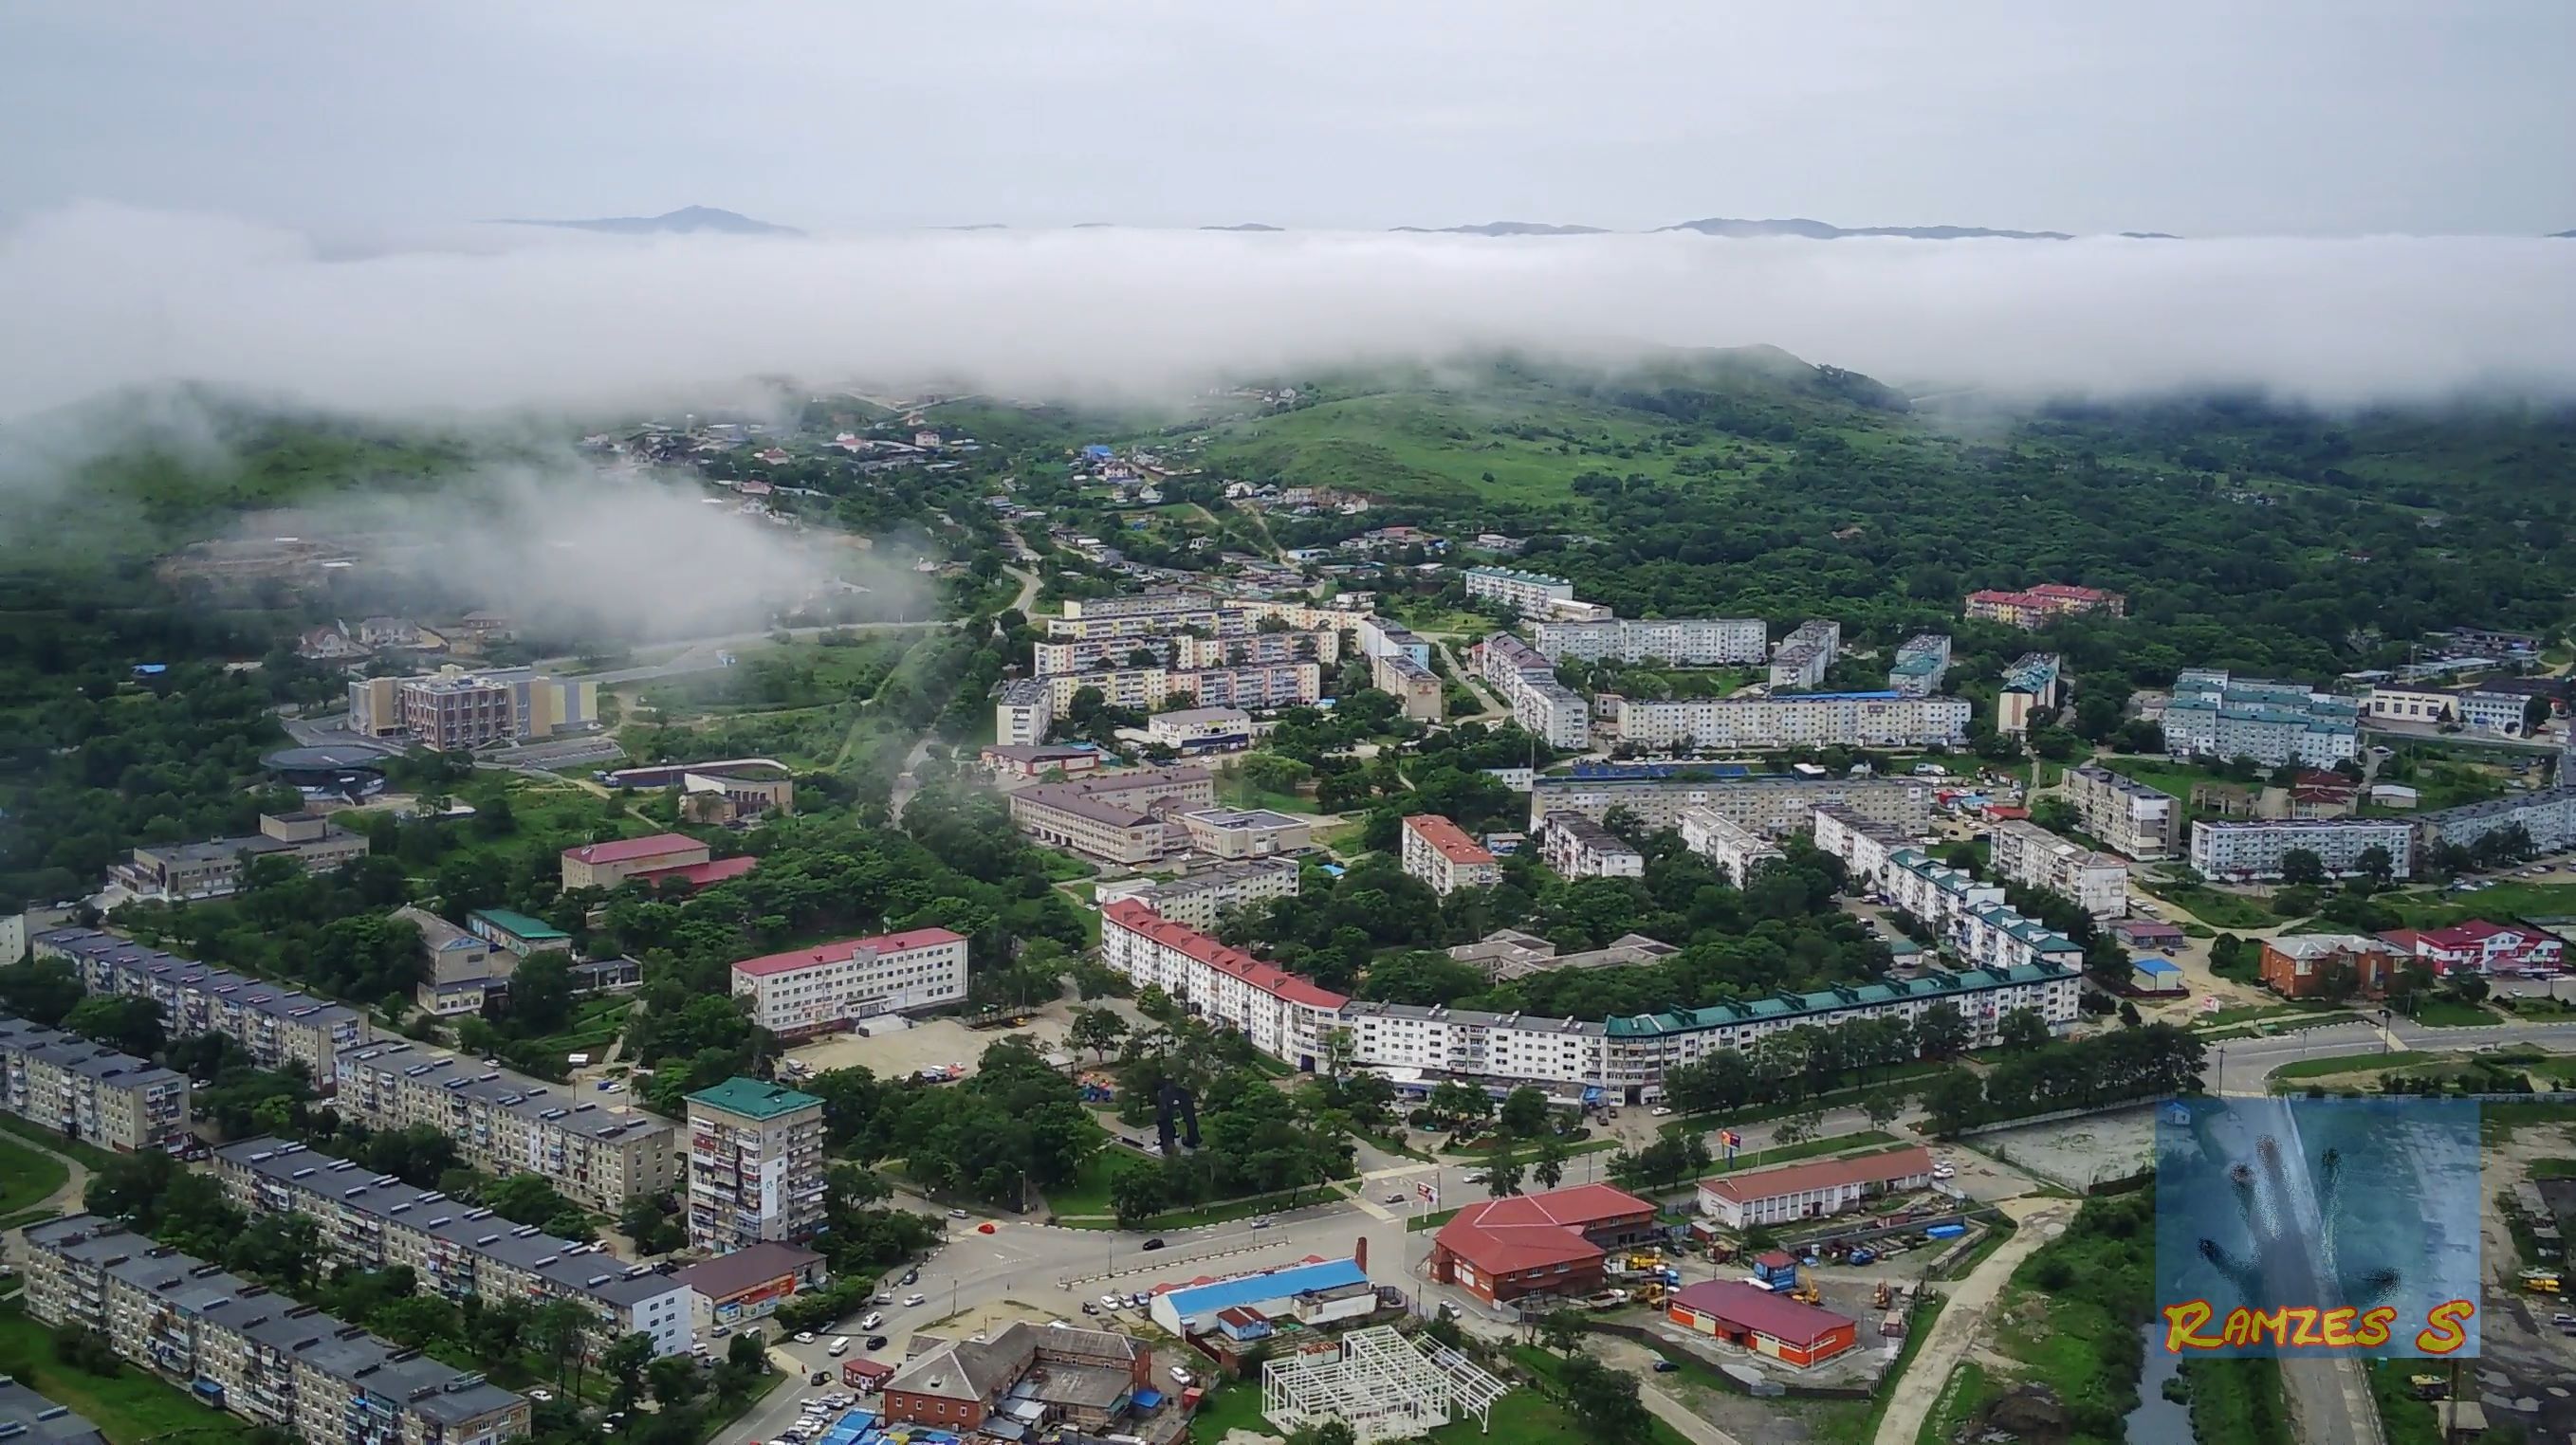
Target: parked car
(1262, 1222)
(1661, 1111)
(876, 1342)
(957, 1214)
(1091, 1307)
(541, 1395)
(1665, 1367)
(1183, 1378)
(1140, 1299)
(804, 1337)
(1392, 1199)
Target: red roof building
(605, 865)
(2478, 946)
(1811, 1191)
(1762, 1321)
(2037, 606)
(808, 991)
(1552, 1243)
(1285, 1015)
(698, 875)
(1441, 854)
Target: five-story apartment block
(507, 1123)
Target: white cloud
(101, 297)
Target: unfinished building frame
(1383, 1383)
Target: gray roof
(343, 1351)
(27, 1418)
(78, 1055)
(731, 1274)
(584, 1270)
(258, 995)
(556, 1105)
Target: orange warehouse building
(1755, 1319)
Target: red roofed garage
(1770, 1324)
(1550, 1243)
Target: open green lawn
(2212, 907)
(2451, 1013)
(89, 1154)
(1963, 1395)
(2543, 897)
(128, 1407)
(2351, 1063)
(1534, 1419)
(27, 1178)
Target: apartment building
(1993, 936)
(1803, 657)
(831, 986)
(600, 1154)
(1471, 1043)
(1677, 641)
(455, 1250)
(27, 1418)
(1282, 1014)
(1921, 662)
(605, 865)
(1773, 803)
(1157, 602)
(1863, 846)
(2043, 604)
(89, 1092)
(2215, 715)
(1734, 849)
(1531, 594)
(1412, 684)
(277, 1026)
(1441, 854)
(2239, 851)
(456, 710)
(756, 1166)
(1198, 900)
(191, 872)
(1577, 847)
(2034, 857)
(2128, 816)
(1119, 816)
(2548, 815)
(2035, 680)
(1791, 720)
(1968, 916)
(1385, 637)
(1023, 712)
(1256, 686)
(230, 1343)
(1527, 681)
(1933, 892)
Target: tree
(541, 993)
(2023, 1030)
(1561, 1331)
(2374, 864)
(1953, 1101)
(1096, 1029)
(2469, 988)
(1605, 1401)
(747, 1354)
(1548, 1170)
(1798, 1128)
(125, 1023)
(1883, 1108)
(2302, 865)
(1525, 1112)
(1941, 1033)
(674, 1380)
(624, 1363)
(1502, 1171)
(653, 1225)
(2535, 716)
(1138, 1193)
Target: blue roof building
(1269, 1292)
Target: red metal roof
(843, 950)
(628, 849)
(1905, 1163)
(699, 875)
(1751, 1307)
(1527, 1231)
(1270, 978)
(1448, 837)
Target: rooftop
(1270, 978)
(1189, 715)
(698, 875)
(1448, 839)
(1935, 985)
(1527, 1231)
(557, 1106)
(1754, 1184)
(1751, 1307)
(74, 1054)
(730, 1274)
(627, 850)
(519, 925)
(754, 1099)
(27, 1418)
(238, 990)
(843, 950)
(1206, 1295)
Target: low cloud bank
(101, 298)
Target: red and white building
(1553, 1243)
(1756, 1319)
(2040, 605)
(832, 986)
(1811, 1191)
(1441, 854)
(605, 865)
(1285, 1015)
(2478, 946)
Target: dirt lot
(931, 1043)
(2074, 1153)
(2526, 1367)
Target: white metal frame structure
(1383, 1383)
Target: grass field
(2351, 1063)
(2209, 906)
(1963, 1395)
(2518, 898)
(27, 1178)
(1785, 1153)
(128, 1407)
(88, 1154)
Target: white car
(541, 1396)
(916, 1299)
(804, 1337)
(1183, 1378)
(872, 1321)
(1111, 1302)
(1660, 1111)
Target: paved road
(1966, 1318)
(2239, 1066)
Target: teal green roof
(1932, 987)
(753, 1099)
(519, 925)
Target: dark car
(876, 1342)
(1665, 1367)
(1153, 1244)
(912, 1276)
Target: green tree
(1561, 1331)
(1941, 1033)
(541, 993)
(128, 1024)
(1096, 1029)
(1137, 1192)
(2302, 866)
(2023, 1030)
(624, 1363)
(1548, 1169)
(1525, 1112)
(1605, 1401)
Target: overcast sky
(2281, 116)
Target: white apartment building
(1284, 1015)
(1023, 712)
(1774, 803)
(89, 1092)
(239, 1346)
(1258, 686)
(1679, 641)
(276, 1025)
(1540, 704)
(1441, 854)
(1385, 637)
(2215, 715)
(1993, 936)
(1920, 664)
(756, 1166)
(2548, 815)
(1577, 847)
(1412, 684)
(1438, 1038)
(375, 1221)
(1934, 893)
(2128, 816)
(2238, 851)
(1528, 593)
(1198, 900)
(1792, 720)
(1803, 657)
(1734, 848)
(599, 1154)
(831, 986)
(2032, 856)
(1864, 846)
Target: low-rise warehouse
(1811, 1191)
(1767, 1323)
(1315, 1291)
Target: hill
(688, 220)
(1800, 226)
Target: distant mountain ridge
(688, 220)
(1805, 229)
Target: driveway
(1967, 1317)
